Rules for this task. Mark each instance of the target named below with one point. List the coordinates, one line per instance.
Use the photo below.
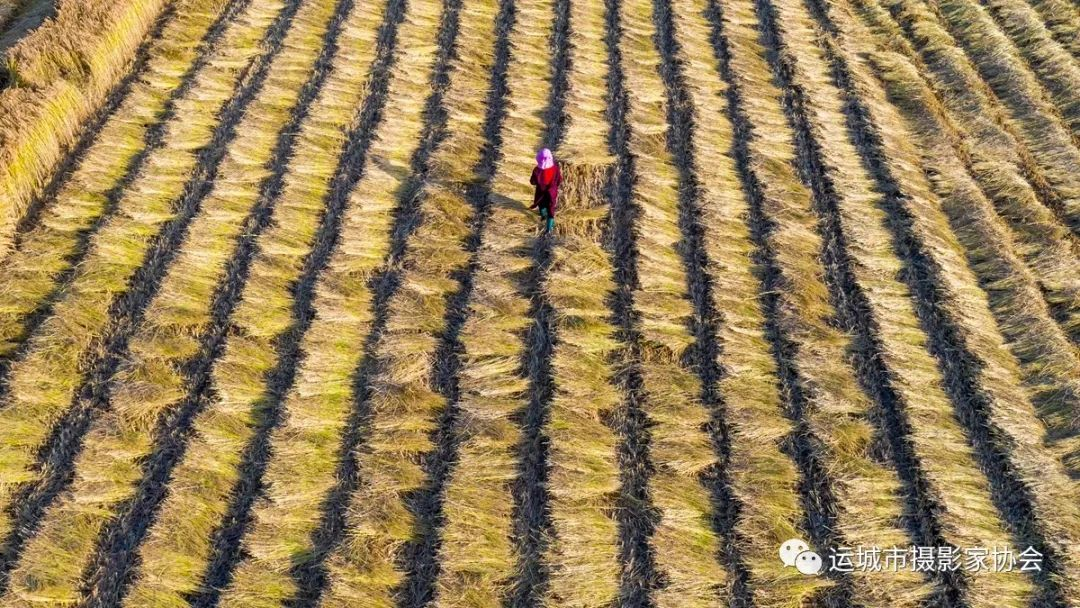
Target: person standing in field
(546, 177)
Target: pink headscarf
(544, 160)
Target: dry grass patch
(867, 494)
(1048, 361)
(174, 556)
(306, 447)
(62, 73)
(1014, 429)
(477, 556)
(983, 138)
(685, 545)
(584, 477)
(762, 477)
(1063, 21)
(43, 381)
(47, 251)
(151, 382)
(1055, 68)
(583, 481)
(987, 48)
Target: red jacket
(547, 187)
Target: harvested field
(278, 327)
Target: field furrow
(833, 420)
(581, 554)
(290, 533)
(75, 350)
(386, 533)
(1033, 121)
(669, 450)
(1063, 21)
(58, 79)
(532, 523)
(481, 561)
(852, 497)
(185, 545)
(971, 122)
(1028, 486)
(863, 252)
(633, 518)
(183, 327)
(8, 10)
(1048, 361)
(437, 289)
(758, 485)
(693, 573)
(1053, 66)
(80, 198)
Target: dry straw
(685, 545)
(151, 382)
(839, 414)
(1063, 21)
(1048, 361)
(582, 555)
(762, 477)
(1052, 65)
(910, 28)
(43, 381)
(477, 556)
(405, 401)
(1016, 432)
(46, 252)
(62, 73)
(584, 477)
(954, 481)
(305, 449)
(985, 141)
(175, 554)
(838, 411)
(1005, 74)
